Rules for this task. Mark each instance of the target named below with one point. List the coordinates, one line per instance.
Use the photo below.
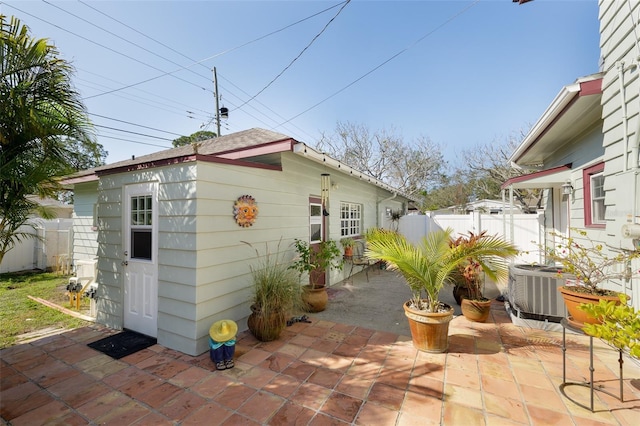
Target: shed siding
(85, 242)
(618, 46)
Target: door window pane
(141, 244)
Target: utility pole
(215, 84)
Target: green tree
(43, 128)
(201, 135)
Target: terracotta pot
(476, 310)
(429, 330)
(348, 252)
(315, 299)
(460, 292)
(573, 299)
(266, 327)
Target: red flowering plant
(588, 264)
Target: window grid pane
(597, 198)
(350, 219)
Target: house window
(350, 219)
(315, 222)
(594, 208)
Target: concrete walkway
(324, 373)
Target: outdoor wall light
(567, 188)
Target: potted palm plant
(314, 260)
(276, 293)
(470, 273)
(426, 268)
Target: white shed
(171, 257)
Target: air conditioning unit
(533, 293)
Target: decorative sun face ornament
(245, 211)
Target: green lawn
(19, 314)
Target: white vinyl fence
(50, 251)
(527, 234)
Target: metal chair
(359, 259)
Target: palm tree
(430, 265)
(41, 120)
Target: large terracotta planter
(266, 327)
(315, 299)
(476, 310)
(573, 299)
(429, 330)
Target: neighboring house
(165, 227)
(480, 206)
(585, 146)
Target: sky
(459, 72)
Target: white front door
(141, 258)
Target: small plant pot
(348, 252)
(476, 310)
(266, 327)
(429, 330)
(315, 299)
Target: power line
(297, 57)
(412, 45)
(136, 142)
(133, 133)
(114, 51)
(134, 124)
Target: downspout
(395, 194)
(625, 120)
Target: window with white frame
(594, 207)
(315, 222)
(350, 219)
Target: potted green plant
(619, 324)
(426, 268)
(347, 244)
(314, 260)
(586, 265)
(471, 272)
(276, 293)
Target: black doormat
(123, 344)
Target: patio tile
(52, 412)
(183, 405)
(354, 386)
(299, 370)
(302, 340)
(542, 416)
(257, 377)
(421, 405)
(138, 357)
(51, 372)
(234, 395)
(189, 377)
(342, 406)
(153, 419)
(283, 385)
(73, 354)
(127, 413)
(462, 415)
(310, 395)
(386, 396)
(21, 399)
(506, 406)
(10, 378)
(292, 414)
(277, 362)
(211, 414)
(325, 377)
(324, 345)
(496, 386)
(292, 350)
(108, 368)
(255, 356)
(157, 396)
(103, 404)
(237, 419)
(466, 378)
(458, 395)
(261, 406)
(371, 414)
(212, 385)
